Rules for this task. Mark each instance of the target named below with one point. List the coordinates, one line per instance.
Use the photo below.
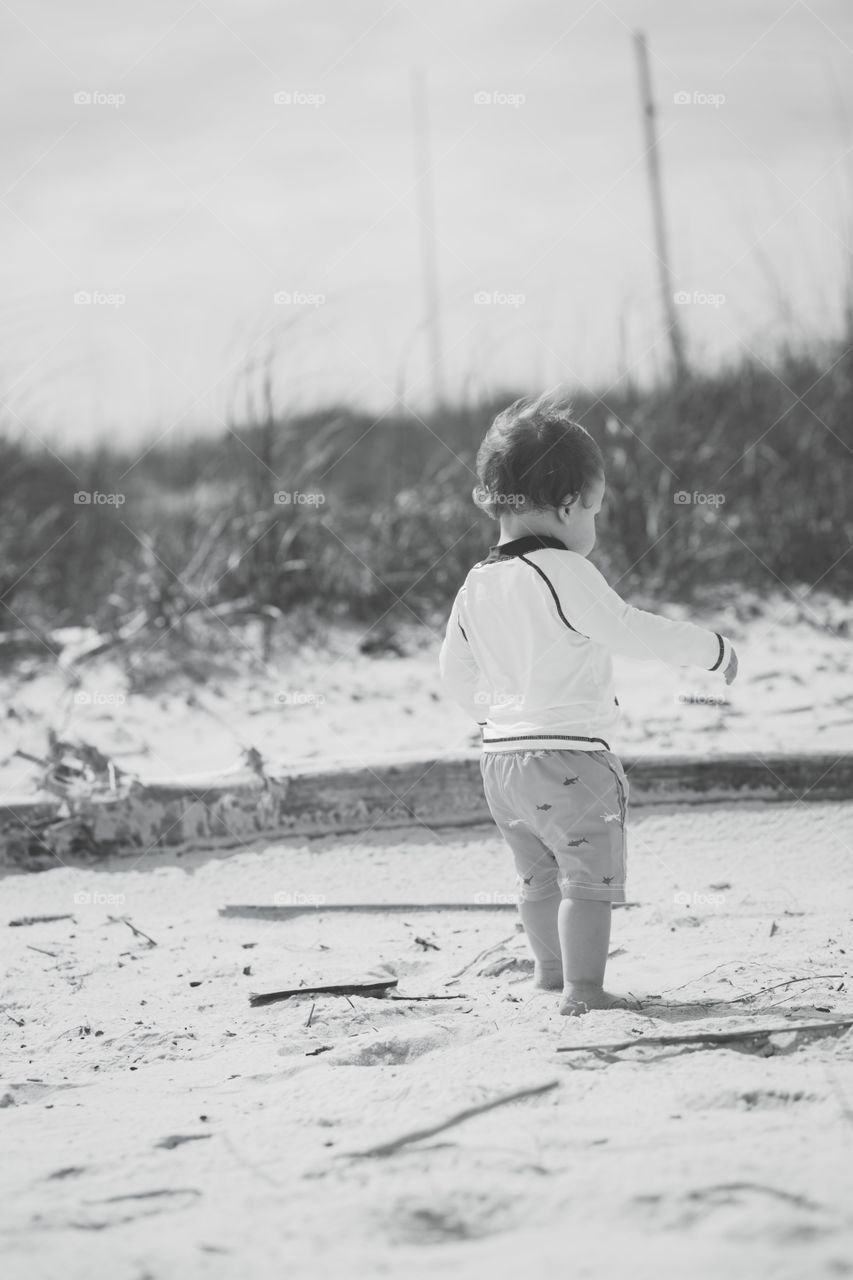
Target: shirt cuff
(724, 654)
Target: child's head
(541, 472)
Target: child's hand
(731, 670)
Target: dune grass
(380, 526)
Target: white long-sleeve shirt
(528, 643)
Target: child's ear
(568, 503)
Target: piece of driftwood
(374, 989)
(25, 920)
(243, 910)
(388, 1148)
(707, 1037)
(288, 913)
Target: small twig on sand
(133, 928)
(707, 1037)
(311, 1013)
(488, 950)
(748, 995)
(726, 964)
(377, 989)
(30, 947)
(790, 983)
(789, 1196)
(25, 920)
(18, 1021)
(388, 1148)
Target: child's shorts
(562, 813)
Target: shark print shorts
(562, 813)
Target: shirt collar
(522, 546)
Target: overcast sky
(181, 197)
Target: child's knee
(537, 886)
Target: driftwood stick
(243, 910)
(30, 947)
(376, 989)
(25, 920)
(288, 913)
(707, 1037)
(388, 1148)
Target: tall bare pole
(676, 340)
(426, 223)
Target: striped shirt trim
(543, 741)
(554, 596)
(722, 651)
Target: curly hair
(533, 455)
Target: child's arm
(595, 610)
(460, 674)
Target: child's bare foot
(548, 977)
(579, 999)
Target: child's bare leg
(584, 931)
(540, 924)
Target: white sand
(794, 692)
(651, 1163)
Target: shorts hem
(537, 893)
(593, 893)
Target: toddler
(527, 654)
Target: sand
(325, 699)
(154, 1125)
